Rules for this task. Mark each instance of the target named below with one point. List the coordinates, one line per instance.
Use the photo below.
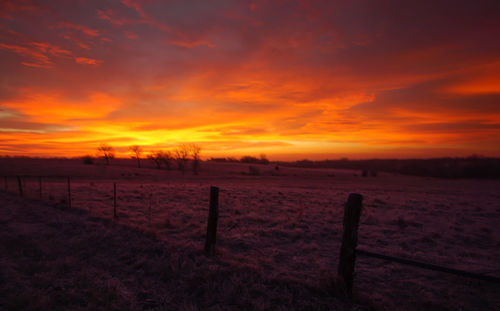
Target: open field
(278, 238)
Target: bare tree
(160, 158)
(107, 152)
(166, 158)
(195, 151)
(181, 156)
(136, 152)
(155, 157)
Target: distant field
(278, 236)
(468, 167)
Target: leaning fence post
(352, 213)
(213, 214)
(20, 185)
(114, 200)
(69, 193)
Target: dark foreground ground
(278, 238)
(53, 259)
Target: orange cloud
(476, 80)
(87, 61)
(39, 106)
(313, 81)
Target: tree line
(178, 158)
(262, 159)
(474, 166)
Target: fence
(348, 249)
(101, 196)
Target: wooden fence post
(213, 214)
(40, 186)
(69, 193)
(20, 185)
(114, 200)
(6, 183)
(149, 208)
(352, 213)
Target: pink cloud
(82, 28)
(52, 49)
(145, 17)
(39, 58)
(36, 65)
(131, 35)
(112, 17)
(192, 44)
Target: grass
(54, 259)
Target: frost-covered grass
(277, 242)
(53, 259)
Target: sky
(289, 79)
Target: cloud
(9, 8)
(192, 44)
(39, 58)
(145, 18)
(109, 15)
(87, 61)
(41, 106)
(82, 28)
(321, 77)
(131, 35)
(36, 65)
(43, 54)
(243, 146)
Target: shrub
(253, 160)
(249, 159)
(88, 159)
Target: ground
(277, 246)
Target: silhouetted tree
(155, 157)
(263, 159)
(136, 151)
(181, 156)
(166, 159)
(107, 152)
(195, 151)
(160, 158)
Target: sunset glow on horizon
(289, 79)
